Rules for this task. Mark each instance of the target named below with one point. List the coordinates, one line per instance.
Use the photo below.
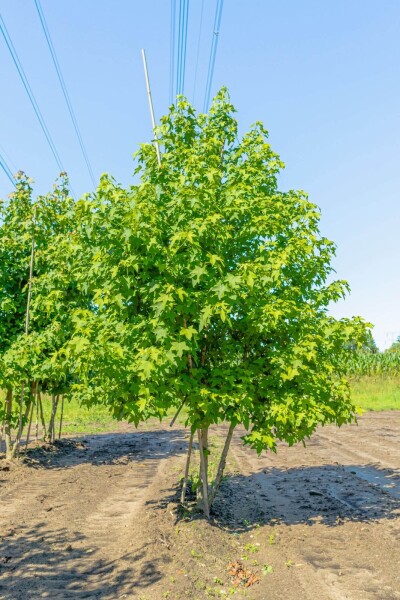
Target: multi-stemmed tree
(206, 286)
(33, 305)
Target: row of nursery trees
(202, 285)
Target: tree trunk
(61, 417)
(51, 431)
(37, 413)
(185, 479)
(203, 474)
(7, 427)
(15, 447)
(204, 440)
(2, 433)
(222, 464)
(29, 428)
(44, 432)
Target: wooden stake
(153, 121)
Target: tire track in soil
(71, 531)
(351, 454)
(339, 516)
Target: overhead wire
(198, 51)
(185, 35)
(172, 52)
(64, 88)
(9, 159)
(29, 92)
(6, 169)
(179, 48)
(213, 53)
(183, 20)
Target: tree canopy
(205, 285)
(210, 286)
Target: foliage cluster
(202, 285)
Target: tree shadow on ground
(58, 564)
(328, 494)
(107, 449)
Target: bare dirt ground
(98, 518)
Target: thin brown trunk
(189, 356)
(203, 474)
(22, 421)
(51, 431)
(41, 412)
(7, 427)
(2, 433)
(27, 410)
(37, 413)
(185, 479)
(15, 448)
(29, 428)
(203, 356)
(222, 464)
(204, 439)
(61, 417)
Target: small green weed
(266, 569)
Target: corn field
(382, 363)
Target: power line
(183, 19)
(64, 88)
(198, 50)
(179, 48)
(6, 169)
(28, 90)
(185, 46)
(8, 157)
(213, 53)
(172, 52)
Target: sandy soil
(98, 518)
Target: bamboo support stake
(32, 261)
(15, 450)
(153, 121)
(177, 413)
(222, 464)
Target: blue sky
(322, 76)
